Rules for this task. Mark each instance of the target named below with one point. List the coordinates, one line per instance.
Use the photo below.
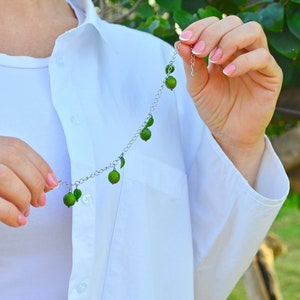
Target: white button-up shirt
(182, 223)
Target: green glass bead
(145, 134)
(77, 193)
(170, 69)
(171, 82)
(150, 122)
(69, 199)
(114, 176)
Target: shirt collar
(92, 18)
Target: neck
(27, 8)
(30, 27)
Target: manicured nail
(22, 220)
(27, 212)
(229, 70)
(199, 48)
(42, 200)
(186, 35)
(51, 180)
(216, 55)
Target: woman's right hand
(25, 177)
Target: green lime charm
(113, 169)
(69, 199)
(171, 82)
(170, 69)
(77, 193)
(145, 134)
(114, 176)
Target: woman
(74, 91)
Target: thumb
(195, 68)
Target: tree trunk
(260, 279)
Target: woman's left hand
(237, 92)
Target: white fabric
(176, 225)
(37, 256)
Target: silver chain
(115, 162)
(192, 63)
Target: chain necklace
(142, 132)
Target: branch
(130, 11)
(102, 9)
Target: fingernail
(186, 35)
(42, 200)
(27, 212)
(51, 180)
(22, 220)
(199, 48)
(216, 55)
(229, 70)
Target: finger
(192, 33)
(195, 68)
(10, 215)
(213, 34)
(13, 189)
(248, 37)
(258, 60)
(29, 166)
(32, 177)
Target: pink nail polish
(51, 180)
(229, 70)
(27, 212)
(22, 220)
(199, 48)
(216, 55)
(186, 35)
(42, 200)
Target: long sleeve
(229, 218)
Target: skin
(237, 111)
(237, 93)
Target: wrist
(245, 157)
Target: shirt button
(86, 199)
(59, 61)
(81, 287)
(75, 119)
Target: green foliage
(279, 18)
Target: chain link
(192, 62)
(114, 163)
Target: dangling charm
(72, 197)
(114, 176)
(171, 81)
(145, 133)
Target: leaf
(145, 10)
(256, 5)
(271, 17)
(228, 7)
(192, 6)
(209, 11)
(285, 43)
(122, 162)
(293, 19)
(183, 18)
(170, 5)
(150, 25)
